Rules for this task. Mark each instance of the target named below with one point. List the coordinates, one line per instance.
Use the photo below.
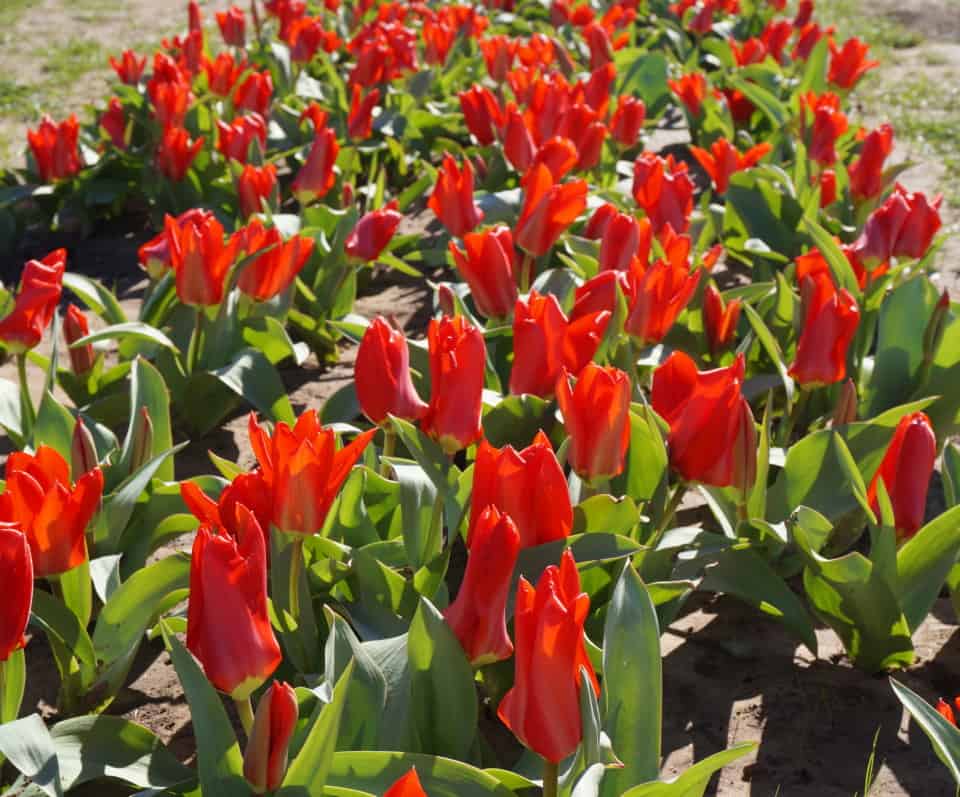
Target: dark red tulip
(200, 258)
(849, 63)
(254, 185)
(719, 319)
(903, 226)
(228, 623)
(664, 190)
(382, 375)
(452, 198)
(458, 357)
(55, 148)
(274, 271)
(265, 757)
(906, 470)
(130, 67)
(233, 26)
(41, 284)
(234, 140)
(478, 615)
(548, 209)
(316, 176)
(596, 414)
(829, 324)
(16, 575)
(487, 263)
(75, 326)
(724, 159)
(53, 512)
(373, 233)
(543, 707)
(713, 438)
(177, 152)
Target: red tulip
(177, 152)
(723, 160)
(129, 68)
(849, 63)
(625, 244)
(482, 114)
(719, 319)
(488, 263)
(478, 615)
(75, 326)
(16, 575)
(498, 54)
(228, 624)
(596, 414)
(691, 90)
(598, 42)
(866, 172)
(906, 470)
(303, 469)
(829, 123)
(171, 101)
(829, 323)
(232, 25)
(114, 121)
(373, 233)
(235, 140)
(307, 36)
(558, 154)
(223, 74)
(596, 91)
(249, 490)
(628, 120)
(200, 258)
(712, 437)
(437, 40)
(809, 36)
(751, 51)
(828, 187)
(664, 190)
(407, 786)
(254, 185)
(548, 209)
(40, 286)
(597, 224)
(903, 226)
(360, 118)
(382, 375)
(813, 262)
(274, 271)
(543, 707)
(457, 362)
(452, 198)
(51, 511)
(804, 14)
(254, 93)
(945, 711)
(518, 144)
(265, 758)
(775, 37)
(54, 147)
(316, 177)
(527, 485)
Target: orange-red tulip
(176, 153)
(866, 172)
(200, 258)
(487, 263)
(719, 319)
(548, 209)
(724, 159)
(382, 375)
(452, 197)
(55, 149)
(272, 272)
(254, 93)
(691, 90)
(232, 24)
(254, 185)
(16, 575)
(498, 54)
(482, 113)
(360, 118)
(664, 190)
(249, 490)
(235, 139)
(75, 326)
(849, 63)
(40, 287)
(129, 68)
(903, 226)
(373, 233)
(628, 120)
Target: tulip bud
(446, 301)
(83, 451)
(265, 759)
(75, 327)
(846, 410)
(935, 327)
(142, 450)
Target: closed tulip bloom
(55, 148)
(478, 615)
(16, 575)
(274, 271)
(903, 226)
(373, 233)
(360, 118)
(829, 123)
(235, 139)
(382, 375)
(723, 159)
(596, 415)
(628, 120)
(543, 707)
(176, 153)
(265, 758)
(228, 624)
(200, 259)
(829, 324)
(75, 326)
(712, 437)
(254, 185)
(254, 93)
(906, 470)
(498, 54)
(458, 358)
(304, 469)
(558, 154)
(41, 284)
(719, 319)
(452, 197)
(691, 90)
(548, 209)
(518, 145)
(664, 190)
(625, 244)
(316, 176)
(828, 187)
(849, 63)
(527, 485)
(598, 42)
(114, 121)
(407, 786)
(171, 101)
(487, 263)
(129, 68)
(50, 509)
(482, 113)
(866, 172)
(232, 24)
(597, 224)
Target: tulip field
(495, 396)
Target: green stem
(389, 446)
(28, 415)
(245, 710)
(551, 777)
(196, 341)
(796, 414)
(296, 567)
(526, 273)
(670, 511)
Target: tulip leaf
(923, 563)
(950, 471)
(307, 774)
(148, 390)
(418, 496)
(632, 683)
(943, 735)
(95, 296)
(645, 468)
(755, 208)
(942, 381)
(604, 513)
(220, 765)
(101, 746)
(10, 418)
(769, 344)
(77, 593)
(29, 747)
(429, 456)
(768, 104)
(516, 420)
(67, 636)
(644, 74)
(443, 698)
(840, 268)
(375, 772)
(127, 330)
(693, 782)
(14, 678)
(54, 426)
(251, 376)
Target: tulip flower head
(691, 90)
(866, 172)
(488, 263)
(628, 119)
(16, 575)
(265, 758)
(41, 284)
(903, 226)
(945, 710)
(663, 188)
(114, 122)
(548, 209)
(829, 324)
(849, 63)
(232, 24)
(235, 139)
(256, 185)
(316, 177)
(373, 233)
(75, 327)
(719, 319)
(129, 68)
(452, 197)
(176, 153)
(360, 118)
(382, 375)
(200, 258)
(55, 148)
(724, 159)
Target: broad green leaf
(923, 563)
(516, 420)
(435, 463)
(124, 331)
(645, 468)
(944, 737)
(951, 474)
(14, 678)
(76, 591)
(63, 628)
(693, 782)
(251, 376)
(771, 347)
(148, 389)
(840, 267)
(54, 426)
(97, 297)
(27, 744)
(604, 513)
(418, 497)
